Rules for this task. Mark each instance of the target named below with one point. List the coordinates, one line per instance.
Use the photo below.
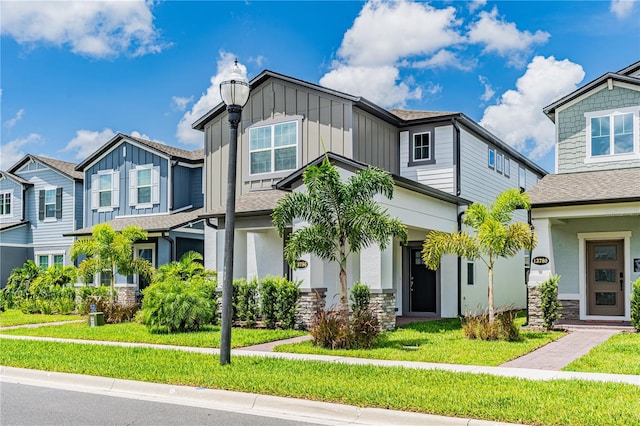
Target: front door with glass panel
(605, 278)
(146, 252)
(422, 285)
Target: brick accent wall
(126, 295)
(384, 308)
(309, 303)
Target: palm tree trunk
(113, 285)
(344, 306)
(490, 295)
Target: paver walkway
(40, 324)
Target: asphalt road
(34, 405)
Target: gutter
(172, 255)
(207, 221)
(460, 268)
(457, 154)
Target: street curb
(238, 402)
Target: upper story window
(105, 190)
(50, 204)
(5, 204)
(273, 148)
(499, 162)
(507, 167)
(522, 178)
(612, 135)
(144, 186)
(421, 146)
(491, 158)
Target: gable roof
(252, 203)
(623, 76)
(11, 225)
(63, 167)
(196, 156)
(291, 181)
(15, 178)
(596, 187)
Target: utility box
(96, 319)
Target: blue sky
(75, 73)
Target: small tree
(494, 236)
(635, 304)
(189, 266)
(111, 251)
(342, 217)
(549, 301)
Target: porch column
(539, 272)
(376, 270)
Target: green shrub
(365, 328)
(83, 293)
(635, 304)
(17, 288)
(51, 292)
(278, 302)
(360, 297)
(503, 327)
(269, 301)
(549, 301)
(331, 330)
(179, 306)
(245, 301)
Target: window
(507, 167)
(273, 148)
(144, 186)
(49, 259)
(105, 278)
(522, 178)
(105, 190)
(471, 268)
(499, 163)
(5, 204)
(611, 133)
(421, 146)
(58, 259)
(492, 158)
(50, 204)
(43, 262)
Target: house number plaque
(540, 260)
(301, 264)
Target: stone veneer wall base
(310, 302)
(383, 306)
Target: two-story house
(440, 162)
(587, 215)
(41, 199)
(134, 181)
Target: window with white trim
(499, 160)
(613, 134)
(522, 178)
(507, 167)
(491, 158)
(105, 190)
(144, 186)
(45, 260)
(471, 272)
(421, 146)
(5, 203)
(273, 148)
(49, 203)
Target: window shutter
(133, 187)
(58, 203)
(41, 205)
(115, 189)
(155, 185)
(94, 192)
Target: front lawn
(427, 391)
(16, 317)
(618, 355)
(133, 332)
(437, 341)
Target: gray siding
(14, 236)
(571, 124)
(115, 160)
(15, 188)
(375, 142)
(326, 119)
(79, 203)
(187, 187)
(441, 174)
(12, 257)
(197, 195)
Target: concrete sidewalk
(239, 402)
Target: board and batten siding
(571, 125)
(123, 158)
(49, 231)
(326, 119)
(15, 189)
(375, 141)
(79, 213)
(441, 174)
(187, 184)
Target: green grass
(618, 355)
(16, 317)
(437, 392)
(209, 337)
(437, 341)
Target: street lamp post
(235, 94)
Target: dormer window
(612, 135)
(422, 147)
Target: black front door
(422, 284)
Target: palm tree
(494, 236)
(342, 217)
(190, 265)
(110, 251)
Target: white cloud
(518, 118)
(258, 60)
(622, 8)
(444, 59)
(99, 29)
(378, 84)
(87, 141)
(207, 101)
(179, 103)
(488, 90)
(13, 151)
(12, 121)
(504, 38)
(476, 4)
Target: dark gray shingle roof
(255, 201)
(10, 225)
(408, 115)
(66, 168)
(15, 178)
(587, 187)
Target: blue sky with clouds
(75, 73)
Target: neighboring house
(440, 163)
(587, 215)
(41, 200)
(134, 181)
